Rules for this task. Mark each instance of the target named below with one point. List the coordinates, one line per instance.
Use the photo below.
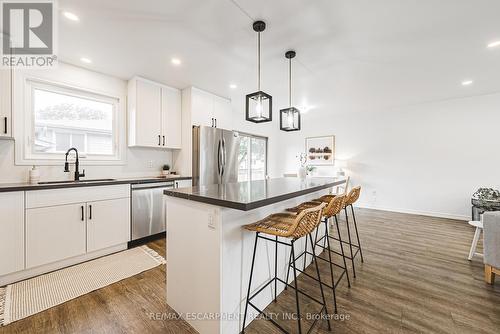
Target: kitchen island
(209, 254)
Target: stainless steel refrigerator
(215, 155)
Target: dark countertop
(255, 194)
(6, 187)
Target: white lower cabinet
(11, 232)
(108, 223)
(64, 223)
(54, 233)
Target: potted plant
(165, 170)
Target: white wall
(428, 158)
(137, 160)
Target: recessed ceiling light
(85, 60)
(467, 82)
(176, 61)
(71, 16)
(494, 44)
(233, 86)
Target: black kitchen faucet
(77, 165)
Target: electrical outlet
(211, 222)
(150, 163)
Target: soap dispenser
(34, 175)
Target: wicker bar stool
(334, 205)
(355, 248)
(293, 227)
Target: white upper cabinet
(5, 103)
(171, 117)
(154, 112)
(202, 106)
(222, 113)
(209, 110)
(11, 232)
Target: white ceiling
(351, 55)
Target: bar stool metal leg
(296, 287)
(350, 241)
(250, 281)
(342, 251)
(357, 235)
(288, 271)
(276, 270)
(305, 256)
(321, 284)
(331, 267)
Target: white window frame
(250, 136)
(25, 125)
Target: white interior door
(148, 117)
(108, 223)
(54, 233)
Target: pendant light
(259, 105)
(290, 117)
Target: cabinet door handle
(212, 122)
(90, 212)
(83, 213)
(163, 140)
(159, 140)
(5, 125)
(215, 122)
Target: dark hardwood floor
(415, 279)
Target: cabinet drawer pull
(159, 140)
(163, 140)
(5, 125)
(90, 212)
(83, 213)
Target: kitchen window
(60, 118)
(252, 158)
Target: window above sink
(66, 108)
(63, 120)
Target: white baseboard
(416, 212)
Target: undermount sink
(80, 181)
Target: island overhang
(251, 195)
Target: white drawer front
(52, 197)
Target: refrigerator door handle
(219, 167)
(223, 156)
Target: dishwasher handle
(138, 186)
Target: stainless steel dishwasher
(148, 212)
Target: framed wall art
(320, 151)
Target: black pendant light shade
(290, 117)
(259, 105)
